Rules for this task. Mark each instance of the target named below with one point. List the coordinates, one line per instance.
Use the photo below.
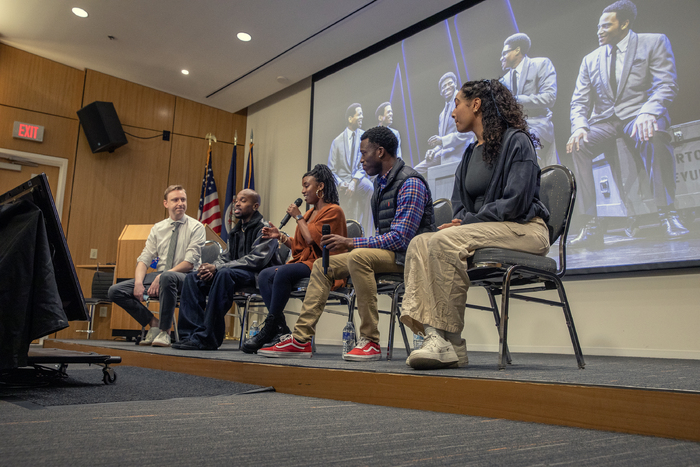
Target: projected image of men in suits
(533, 82)
(385, 117)
(623, 90)
(354, 186)
(448, 144)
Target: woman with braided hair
(318, 187)
(495, 203)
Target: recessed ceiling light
(185, 72)
(80, 12)
(243, 36)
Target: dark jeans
(655, 155)
(203, 321)
(122, 294)
(276, 285)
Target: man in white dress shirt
(385, 117)
(176, 244)
(623, 91)
(354, 186)
(533, 82)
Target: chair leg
(503, 330)
(497, 318)
(177, 334)
(91, 325)
(570, 323)
(243, 318)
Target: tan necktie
(173, 245)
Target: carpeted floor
(84, 386)
(270, 428)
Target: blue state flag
(249, 181)
(229, 218)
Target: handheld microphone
(325, 230)
(286, 217)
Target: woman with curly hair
(495, 203)
(318, 187)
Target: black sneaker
(277, 339)
(266, 334)
(189, 345)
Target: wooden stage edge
(663, 413)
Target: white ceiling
(155, 39)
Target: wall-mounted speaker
(102, 127)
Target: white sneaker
(150, 336)
(461, 351)
(435, 353)
(162, 340)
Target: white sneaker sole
(362, 358)
(267, 353)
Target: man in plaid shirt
(402, 208)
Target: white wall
(651, 316)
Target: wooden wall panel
(189, 156)
(195, 119)
(136, 105)
(112, 190)
(28, 81)
(60, 137)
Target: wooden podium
(129, 247)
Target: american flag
(208, 212)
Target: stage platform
(657, 397)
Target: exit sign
(28, 131)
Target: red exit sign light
(28, 131)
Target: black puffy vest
(384, 203)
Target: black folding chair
(512, 274)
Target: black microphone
(286, 217)
(325, 230)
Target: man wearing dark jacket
(201, 324)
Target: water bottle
(348, 337)
(254, 330)
(417, 341)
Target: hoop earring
(321, 195)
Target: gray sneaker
(162, 340)
(435, 353)
(461, 351)
(150, 336)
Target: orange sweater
(331, 214)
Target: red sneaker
(365, 350)
(288, 347)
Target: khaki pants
(436, 268)
(361, 264)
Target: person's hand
(644, 127)
(206, 272)
(270, 232)
(139, 289)
(293, 210)
(575, 139)
(453, 223)
(351, 187)
(429, 155)
(154, 288)
(435, 140)
(336, 243)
